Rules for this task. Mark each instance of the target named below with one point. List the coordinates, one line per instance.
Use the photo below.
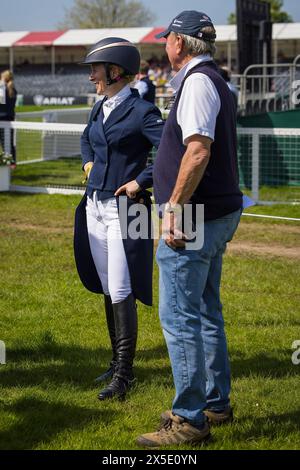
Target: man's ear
(179, 44)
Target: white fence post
(2, 353)
(7, 142)
(255, 167)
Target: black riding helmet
(117, 51)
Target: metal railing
(267, 87)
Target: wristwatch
(173, 208)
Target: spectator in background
(144, 85)
(226, 74)
(7, 108)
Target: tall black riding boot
(110, 320)
(125, 315)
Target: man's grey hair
(195, 46)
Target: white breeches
(107, 247)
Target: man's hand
(171, 230)
(131, 189)
(87, 170)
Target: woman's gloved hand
(87, 170)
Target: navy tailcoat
(119, 149)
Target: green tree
(106, 14)
(277, 15)
(231, 18)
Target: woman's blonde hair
(128, 78)
(8, 78)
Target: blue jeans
(191, 318)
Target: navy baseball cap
(191, 23)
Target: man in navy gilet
(196, 164)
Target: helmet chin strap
(109, 80)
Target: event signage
(43, 100)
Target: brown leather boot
(218, 418)
(175, 431)
(214, 418)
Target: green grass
(65, 171)
(280, 193)
(29, 149)
(68, 171)
(278, 210)
(277, 193)
(33, 108)
(57, 343)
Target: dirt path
(38, 228)
(261, 228)
(263, 249)
(236, 246)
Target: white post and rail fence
(267, 157)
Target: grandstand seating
(69, 80)
(72, 80)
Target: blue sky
(41, 15)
